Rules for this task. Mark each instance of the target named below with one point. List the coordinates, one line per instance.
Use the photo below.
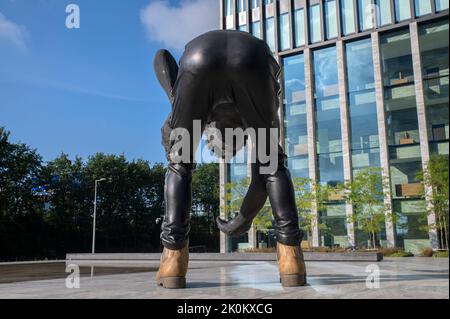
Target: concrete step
(151, 258)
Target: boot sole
(172, 282)
(293, 280)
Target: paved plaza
(417, 277)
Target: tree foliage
(435, 177)
(366, 193)
(46, 209)
(308, 195)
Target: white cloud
(175, 25)
(11, 32)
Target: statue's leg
(189, 104)
(177, 198)
(258, 101)
(282, 199)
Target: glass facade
(348, 16)
(296, 134)
(365, 151)
(422, 7)
(256, 4)
(329, 143)
(237, 172)
(243, 28)
(229, 10)
(402, 10)
(384, 12)
(270, 33)
(403, 135)
(366, 14)
(300, 32)
(364, 138)
(285, 36)
(433, 39)
(441, 5)
(328, 122)
(256, 29)
(241, 5)
(313, 26)
(331, 21)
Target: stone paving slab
(424, 278)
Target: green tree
(310, 196)
(21, 214)
(129, 205)
(68, 211)
(205, 205)
(307, 196)
(436, 178)
(365, 193)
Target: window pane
(433, 39)
(411, 227)
(348, 16)
(256, 3)
(285, 42)
(299, 20)
(403, 133)
(328, 124)
(397, 66)
(270, 33)
(362, 105)
(315, 30)
(359, 65)
(384, 12)
(334, 217)
(331, 19)
(295, 115)
(256, 29)
(422, 7)
(241, 5)
(243, 28)
(441, 5)
(402, 10)
(366, 14)
(229, 7)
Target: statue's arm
(253, 202)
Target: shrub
(387, 252)
(402, 254)
(260, 250)
(426, 252)
(441, 254)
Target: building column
(311, 128)
(382, 132)
(345, 131)
(423, 127)
(223, 179)
(252, 238)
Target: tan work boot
(291, 265)
(173, 268)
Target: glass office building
(365, 84)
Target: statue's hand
(235, 227)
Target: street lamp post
(95, 212)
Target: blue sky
(88, 90)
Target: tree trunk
(374, 241)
